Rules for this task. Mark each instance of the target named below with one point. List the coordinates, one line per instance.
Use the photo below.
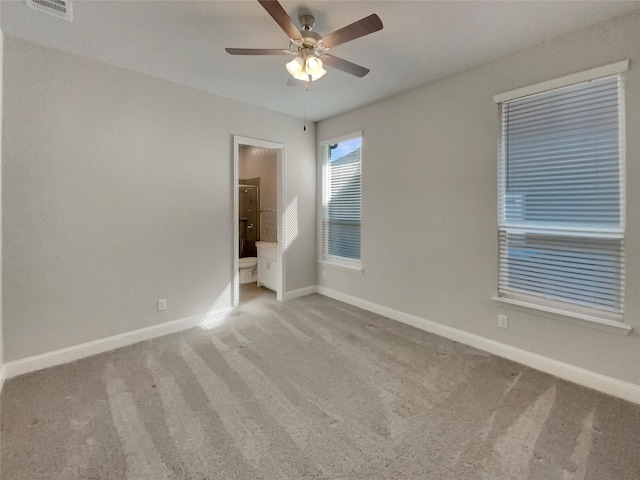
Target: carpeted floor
(310, 389)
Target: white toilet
(248, 271)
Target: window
(341, 201)
(561, 195)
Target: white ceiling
(183, 42)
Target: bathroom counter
(267, 245)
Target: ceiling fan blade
(358, 29)
(344, 65)
(281, 17)
(257, 51)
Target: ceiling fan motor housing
(307, 21)
(310, 39)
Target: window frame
(564, 309)
(346, 263)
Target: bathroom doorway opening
(258, 179)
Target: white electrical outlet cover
(162, 304)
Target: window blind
(341, 205)
(561, 202)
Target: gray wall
(429, 210)
(118, 192)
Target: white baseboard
(300, 292)
(611, 386)
(618, 388)
(70, 354)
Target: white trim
(280, 205)
(584, 76)
(350, 267)
(622, 139)
(348, 264)
(602, 383)
(77, 352)
(300, 292)
(342, 138)
(320, 205)
(235, 235)
(600, 323)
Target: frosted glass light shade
(318, 74)
(296, 66)
(301, 76)
(313, 65)
(306, 69)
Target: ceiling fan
(311, 49)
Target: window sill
(605, 324)
(342, 266)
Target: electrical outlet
(162, 304)
(503, 321)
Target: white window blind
(341, 202)
(561, 196)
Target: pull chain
(304, 106)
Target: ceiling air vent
(59, 8)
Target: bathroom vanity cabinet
(267, 265)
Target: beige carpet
(311, 388)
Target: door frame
(235, 275)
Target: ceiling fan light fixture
(302, 76)
(313, 65)
(318, 75)
(296, 67)
(306, 68)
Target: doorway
(257, 215)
